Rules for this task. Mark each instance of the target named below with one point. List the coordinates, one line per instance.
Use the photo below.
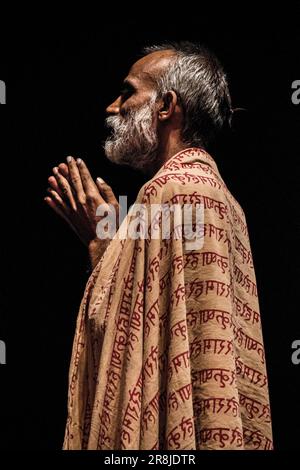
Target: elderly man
(168, 352)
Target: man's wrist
(97, 249)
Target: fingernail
(69, 159)
(55, 170)
(100, 180)
(78, 161)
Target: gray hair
(198, 79)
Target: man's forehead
(146, 68)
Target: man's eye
(126, 92)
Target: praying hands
(74, 196)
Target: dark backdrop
(59, 82)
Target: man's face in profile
(134, 138)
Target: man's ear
(167, 105)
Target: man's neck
(165, 152)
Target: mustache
(114, 121)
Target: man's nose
(114, 108)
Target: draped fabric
(168, 351)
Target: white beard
(134, 139)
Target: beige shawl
(168, 352)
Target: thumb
(106, 191)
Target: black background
(59, 79)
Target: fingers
(106, 191)
(54, 185)
(64, 187)
(58, 201)
(57, 204)
(87, 181)
(74, 178)
(73, 183)
(53, 206)
(64, 170)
